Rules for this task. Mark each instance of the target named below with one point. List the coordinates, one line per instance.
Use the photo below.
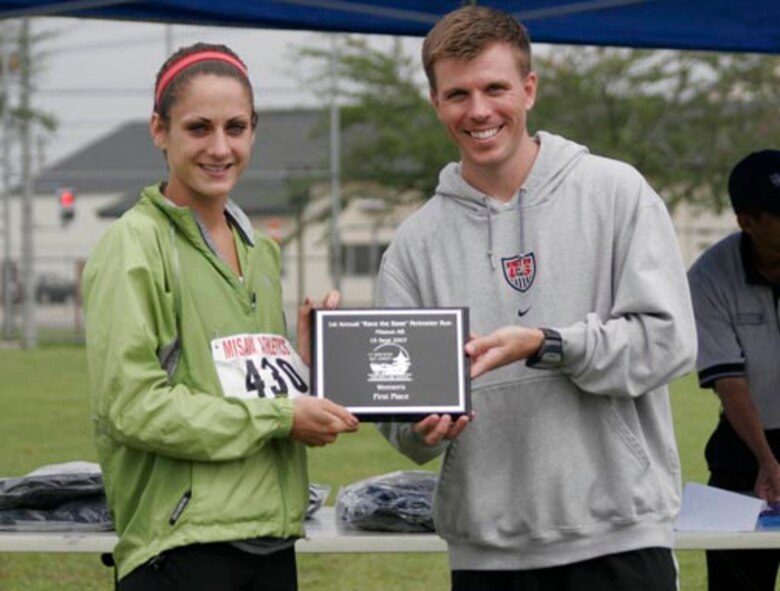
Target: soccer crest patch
(519, 271)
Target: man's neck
(504, 181)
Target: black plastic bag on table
(51, 486)
(88, 513)
(55, 498)
(395, 502)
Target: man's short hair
(754, 183)
(466, 32)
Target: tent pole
(335, 168)
(9, 283)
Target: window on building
(357, 260)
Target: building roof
(291, 151)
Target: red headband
(187, 61)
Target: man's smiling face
(483, 103)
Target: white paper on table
(706, 508)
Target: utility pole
(29, 336)
(335, 168)
(7, 276)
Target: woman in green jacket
(199, 402)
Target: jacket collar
(183, 217)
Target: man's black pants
(648, 569)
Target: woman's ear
(158, 131)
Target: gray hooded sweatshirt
(560, 465)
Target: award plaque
(392, 364)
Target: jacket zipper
(180, 506)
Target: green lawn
(45, 419)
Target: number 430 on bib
(259, 366)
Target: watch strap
(550, 353)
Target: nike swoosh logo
(522, 313)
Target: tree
(18, 57)
(392, 135)
(682, 118)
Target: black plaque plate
(392, 364)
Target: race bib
(259, 366)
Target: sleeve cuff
(709, 375)
(285, 408)
(573, 341)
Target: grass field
(45, 419)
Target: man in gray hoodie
(567, 477)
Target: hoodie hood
(557, 157)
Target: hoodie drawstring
(520, 195)
(486, 203)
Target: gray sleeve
(405, 440)
(395, 289)
(648, 337)
(720, 354)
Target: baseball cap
(754, 183)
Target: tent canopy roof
(720, 25)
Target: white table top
(323, 536)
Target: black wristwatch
(550, 353)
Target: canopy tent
(720, 25)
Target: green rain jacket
(182, 463)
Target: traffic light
(67, 200)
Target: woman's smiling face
(207, 139)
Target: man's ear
(530, 84)
(433, 98)
(746, 221)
